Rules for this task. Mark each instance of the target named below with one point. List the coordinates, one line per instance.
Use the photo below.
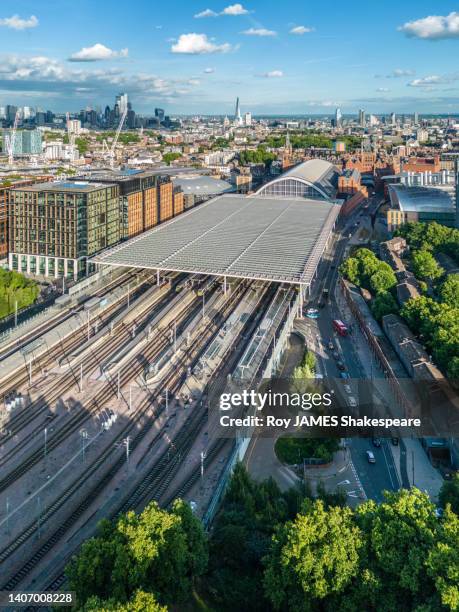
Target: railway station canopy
(269, 239)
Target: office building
(362, 118)
(55, 227)
(392, 120)
(147, 198)
(416, 118)
(247, 119)
(159, 114)
(121, 102)
(26, 142)
(237, 114)
(337, 121)
(421, 204)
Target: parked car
(331, 346)
(376, 442)
(341, 366)
(352, 401)
(335, 354)
(370, 457)
(394, 441)
(348, 389)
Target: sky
(193, 57)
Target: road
(382, 475)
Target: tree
(156, 549)
(425, 266)
(384, 304)
(312, 557)
(449, 291)
(168, 158)
(443, 561)
(399, 534)
(383, 279)
(141, 601)
(449, 494)
(350, 270)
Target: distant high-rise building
(237, 113)
(338, 118)
(373, 120)
(248, 119)
(122, 102)
(159, 114)
(392, 118)
(416, 118)
(226, 122)
(362, 118)
(26, 142)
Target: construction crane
(11, 139)
(111, 152)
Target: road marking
(356, 476)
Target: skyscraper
(362, 119)
(122, 102)
(237, 114)
(416, 118)
(338, 118)
(392, 118)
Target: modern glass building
(316, 178)
(420, 204)
(55, 227)
(26, 142)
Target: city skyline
(194, 58)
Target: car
(376, 442)
(394, 441)
(370, 457)
(312, 313)
(341, 366)
(352, 401)
(335, 355)
(344, 375)
(348, 389)
(331, 346)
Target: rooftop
(67, 186)
(421, 199)
(269, 239)
(319, 173)
(203, 185)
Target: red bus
(340, 327)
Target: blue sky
(290, 56)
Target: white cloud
(433, 27)
(399, 72)
(383, 89)
(259, 32)
(234, 9)
(198, 44)
(300, 30)
(323, 103)
(206, 13)
(434, 79)
(194, 82)
(97, 52)
(16, 23)
(209, 70)
(273, 74)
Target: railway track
(96, 403)
(184, 438)
(71, 377)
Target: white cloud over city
(17, 23)
(433, 27)
(198, 44)
(96, 53)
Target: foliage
(366, 270)
(82, 145)
(15, 287)
(300, 141)
(221, 143)
(155, 551)
(141, 601)
(449, 291)
(312, 557)
(431, 236)
(437, 323)
(393, 556)
(292, 450)
(125, 138)
(449, 493)
(383, 304)
(168, 158)
(425, 266)
(259, 156)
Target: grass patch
(294, 450)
